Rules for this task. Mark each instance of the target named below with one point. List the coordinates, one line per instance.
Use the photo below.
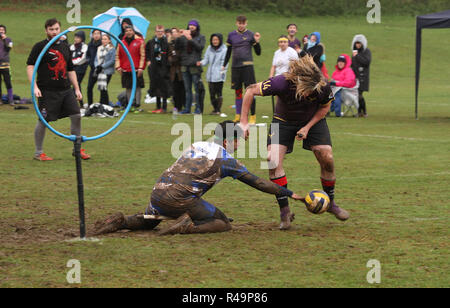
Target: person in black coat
(361, 67)
(157, 52)
(314, 48)
(95, 42)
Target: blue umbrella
(112, 19)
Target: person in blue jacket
(215, 76)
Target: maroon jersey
(289, 108)
(242, 44)
(294, 43)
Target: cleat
(43, 157)
(181, 225)
(83, 154)
(252, 120)
(237, 118)
(286, 221)
(339, 213)
(111, 224)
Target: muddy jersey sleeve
(265, 185)
(231, 167)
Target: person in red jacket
(343, 77)
(136, 46)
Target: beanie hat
(81, 35)
(342, 59)
(194, 22)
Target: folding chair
(350, 100)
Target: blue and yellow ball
(317, 202)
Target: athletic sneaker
(286, 221)
(157, 111)
(252, 120)
(42, 157)
(237, 118)
(181, 225)
(339, 213)
(111, 224)
(83, 154)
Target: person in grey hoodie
(191, 44)
(361, 60)
(215, 56)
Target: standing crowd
(175, 61)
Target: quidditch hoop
(36, 66)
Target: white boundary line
(392, 137)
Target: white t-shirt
(281, 60)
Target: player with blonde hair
(303, 100)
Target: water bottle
(174, 113)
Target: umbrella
(112, 19)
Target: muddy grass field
(392, 176)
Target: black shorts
(55, 105)
(199, 210)
(127, 81)
(319, 134)
(242, 75)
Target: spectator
(322, 61)
(191, 44)
(52, 87)
(361, 67)
(126, 22)
(215, 76)
(293, 41)
(343, 77)
(104, 67)
(168, 34)
(305, 41)
(314, 48)
(156, 52)
(282, 57)
(95, 42)
(240, 43)
(136, 47)
(79, 53)
(6, 45)
(176, 76)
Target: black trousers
(6, 76)
(80, 76)
(104, 97)
(362, 103)
(179, 94)
(215, 94)
(91, 84)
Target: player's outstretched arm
(250, 93)
(267, 186)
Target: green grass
(392, 176)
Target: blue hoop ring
(33, 80)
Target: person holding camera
(190, 44)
